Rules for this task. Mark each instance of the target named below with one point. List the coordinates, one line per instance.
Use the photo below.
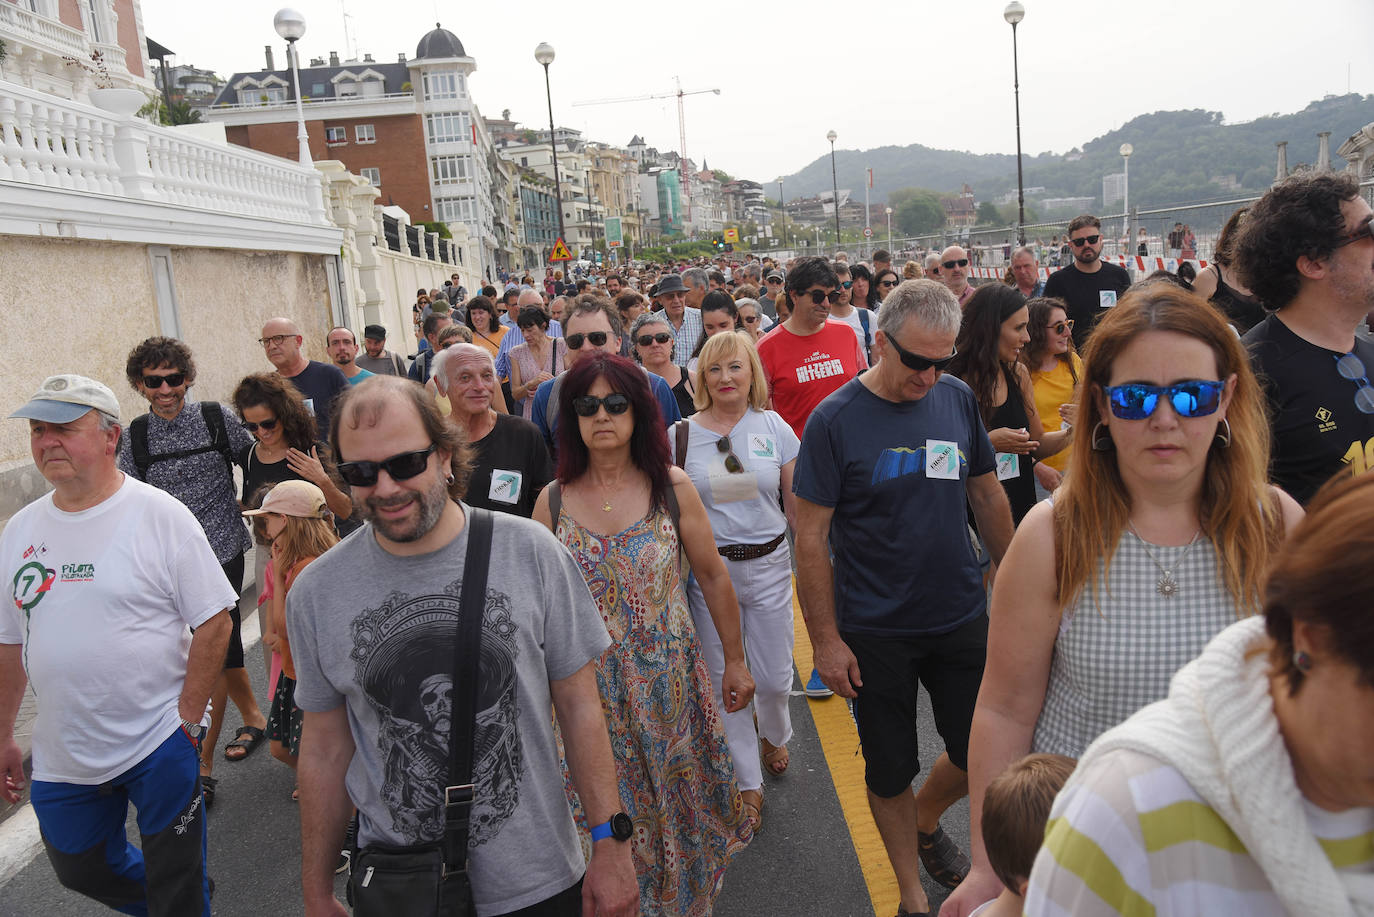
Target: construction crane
(681, 129)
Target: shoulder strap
(138, 442)
(555, 505)
(458, 795)
(674, 511)
(396, 362)
(680, 432)
(219, 433)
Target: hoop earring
(1102, 437)
(449, 479)
(1223, 437)
(1301, 661)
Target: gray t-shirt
(376, 632)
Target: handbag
(432, 880)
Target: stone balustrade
(41, 32)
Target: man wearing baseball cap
(107, 574)
(376, 359)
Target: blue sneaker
(815, 687)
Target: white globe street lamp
(290, 25)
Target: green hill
(1177, 156)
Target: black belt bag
(431, 880)
(749, 551)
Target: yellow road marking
(840, 742)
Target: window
(371, 89)
(262, 95)
(373, 176)
(364, 133)
(441, 86)
(317, 90)
(95, 27)
(447, 170)
(336, 135)
(455, 209)
(345, 89)
(456, 128)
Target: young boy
(1015, 809)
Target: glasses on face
(260, 425)
(274, 339)
(1088, 240)
(1352, 367)
(661, 337)
(1061, 327)
(887, 283)
(1366, 231)
(818, 295)
(156, 382)
(732, 462)
(588, 405)
(846, 283)
(575, 341)
(749, 319)
(951, 265)
(400, 467)
(1136, 400)
(916, 361)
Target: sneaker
(815, 687)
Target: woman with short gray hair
(653, 343)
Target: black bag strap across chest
(219, 441)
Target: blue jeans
(83, 832)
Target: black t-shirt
(1088, 295)
(319, 383)
(512, 465)
(1317, 430)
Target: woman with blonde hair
(1159, 538)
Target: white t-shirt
(854, 321)
(102, 603)
(743, 508)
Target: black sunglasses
(951, 265)
(266, 425)
(732, 462)
(598, 339)
(588, 405)
(401, 467)
(817, 295)
(156, 382)
(1090, 240)
(749, 319)
(1366, 231)
(662, 337)
(916, 361)
(887, 283)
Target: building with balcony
(66, 48)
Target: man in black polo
(1089, 285)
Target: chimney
(333, 58)
(505, 114)
(367, 59)
(1283, 162)
(401, 57)
(317, 61)
(1324, 151)
(271, 65)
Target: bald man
(954, 273)
(513, 337)
(317, 382)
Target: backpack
(219, 441)
(868, 338)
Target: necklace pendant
(606, 506)
(1167, 585)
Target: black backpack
(219, 441)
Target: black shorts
(233, 656)
(950, 666)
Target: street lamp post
(544, 55)
(888, 211)
(291, 26)
(1126, 151)
(834, 186)
(1013, 14)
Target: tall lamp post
(1126, 151)
(1013, 14)
(544, 55)
(834, 186)
(888, 211)
(291, 26)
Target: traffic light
(719, 243)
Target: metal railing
(272, 104)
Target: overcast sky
(888, 73)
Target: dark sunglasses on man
(917, 362)
(400, 467)
(951, 265)
(1088, 240)
(156, 382)
(575, 341)
(817, 295)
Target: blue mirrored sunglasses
(1136, 401)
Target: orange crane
(681, 128)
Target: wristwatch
(619, 827)
(194, 730)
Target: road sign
(614, 237)
(868, 232)
(560, 252)
(732, 235)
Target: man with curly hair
(1306, 250)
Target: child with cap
(1015, 809)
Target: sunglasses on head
(265, 425)
(732, 462)
(598, 339)
(818, 295)
(916, 361)
(1136, 400)
(661, 337)
(1086, 240)
(400, 467)
(156, 382)
(588, 405)
(951, 265)
(1061, 327)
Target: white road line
(20, 840)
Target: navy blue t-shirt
(904, 565)
(319, 384)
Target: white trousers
(764, 589)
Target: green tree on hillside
(916, 210)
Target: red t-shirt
(803, 370)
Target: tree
(916, 210)
(721, 176)
(988, 215)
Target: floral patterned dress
(675, 775)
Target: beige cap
(293, 498)
(64, 398)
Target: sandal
(752, 803)
(775, 758)
(941, 857)
(247, 738)
(207, 790)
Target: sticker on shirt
(1008, 466)
(942, 460)
(763, 446)
(1106, 299)
(505, 486)
(310, 406)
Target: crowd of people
(527, 599)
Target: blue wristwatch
(619, 827)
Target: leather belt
(749, 551)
